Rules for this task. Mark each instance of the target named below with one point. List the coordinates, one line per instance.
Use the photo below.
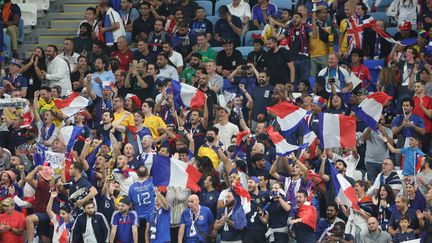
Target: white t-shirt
(241, 11)
(177, 59)
(89, 235)
(115, 18)
(72, 60)
(350, 161)
(226, 132)
(125, 182)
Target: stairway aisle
(60, 22)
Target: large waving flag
(242, 206)
(345, 193)
(72, 104)
(370, 108)
(173, 172)
(282, 146)
(186, 95)
(371, 23)
(70, 134)
(288, 116)
(337, 130)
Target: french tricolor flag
(69, 135)
(417, 163)
(311, 140)
(72, 104)
(345, 193)
(186, 95)
(282, 146)
(370, 109)
(288, 116)
(337, 130)
(242, 205)
(173, 172)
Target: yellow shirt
(344, 33)
(43, 106)
(128, 122)
(211, 154)
(318, 47)
(153, 123)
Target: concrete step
(95, 2)
(80, 7)
(45, 39)
(59, 31)
(25, 50)
(71, 15)
(60, 24)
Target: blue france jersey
(124, 225)
(142, 196)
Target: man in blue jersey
(142, 194)
(158, 229)
(196, 223)
(124, 223)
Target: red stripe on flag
(381, 97)
(347, 127)
(352, 196)
(193, 178)
(198, 100)
(66, 102)
(418, 164)
(283, 109)
(274, 136)
(239, 190)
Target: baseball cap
(406, 26)
(8, 202)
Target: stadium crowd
(140, 130)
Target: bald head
(373, 224)
(193, 202)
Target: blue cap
(254, 178)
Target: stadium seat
(213, 20)
(7, 49)
(217, 48)
(21, 31)
(28, 13)
(41, 4)
(207, 5)
(220, 3)
(281, 4)
(383, 5)
(392, 30)
(380, 15)
(245, 50)
(248, 40)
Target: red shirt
(362, 72)
(125, 58)
(427, 103)
(42, 196)
(17, 221)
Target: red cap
(406, 26)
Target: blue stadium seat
(220, 3)
(213, 20)
(281, 4)
(248, 40)
(380, 15)
(207, 5)
(21, 31)
(383, 5)
(392, 30)
(217, 48)
(7, 49)
(245, 50)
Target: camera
(332, 80)
(244, 68)
(275, 193)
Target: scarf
(46, 135)
(125, 172)
(301, 34)
(6, 12)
